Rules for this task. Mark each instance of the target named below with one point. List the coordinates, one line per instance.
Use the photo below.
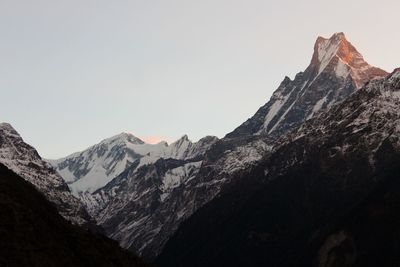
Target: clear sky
(74, 72)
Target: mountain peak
(396, 72)
(125, 138)
(7, 131)
(338, 36)
(336, 46)
(336, 70)
(338, 56)
(183, 139)
(6, 127)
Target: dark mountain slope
(328, 195)
(32, 233)
(24, 160)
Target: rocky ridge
(24, 160)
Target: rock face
(33, 233)
(327, 195)
(24, 160)
(336, 70)
(147, 204)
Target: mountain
(291, 104)
(147, 204)
(96, 166)
(134, 189)
(232, 158)
(144, 205)
(24, 160)
(336, 70)
(34, 234)
(328, 194)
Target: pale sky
(74, 72)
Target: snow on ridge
(121, 138)
(317, 107)
(93, 168)
(274, 109)
(175, 177)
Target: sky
(74, 72)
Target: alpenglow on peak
(337, 55)
(336, 70)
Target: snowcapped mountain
(336, 70)
(138, 199)
(327, 194)
(99, 164)
(25, 161)
(320, 86)
(95, 167)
